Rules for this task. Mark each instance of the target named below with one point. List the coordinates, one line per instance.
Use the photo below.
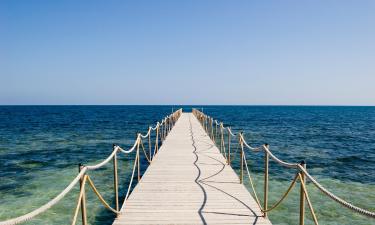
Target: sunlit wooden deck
(189, 182)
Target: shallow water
(41, 146)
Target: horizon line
(311, 105)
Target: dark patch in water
(354, 159)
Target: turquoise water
(41, 146)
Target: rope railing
(211, 127)
(83, 176)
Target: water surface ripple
(41, 146)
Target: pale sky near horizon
(187, 52)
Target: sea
(42, 146)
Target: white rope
(100, 197)
(117, 148)
(131, 149)
(290, 165)
(46, 206)
(148, 133)
(255, 149)
(336, 198)
(251, 182)
(156, 127)
(144, 151)
(266, 149)
(230, 131)
(131, 181)
(97, 166)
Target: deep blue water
(339, 141)
(41, 146)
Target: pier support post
(228, 158)
(156, 139)
(266, 161)
(212, 129)
(221, 138)
(164, 125)
(170, 124)
(83, 200)
(242, 158)
(205, 123)
(163, 133)
(215, 133)
(149, 143)
(207, 118)
(115, 178)
(302, 197)
(138, 161)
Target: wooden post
(115, 178)
(228, 159)
(162, 132)
(266, 161)
(165, 129)
(207, 124)
(157, 139)
(212, 129)
(209, 127)
(169, 125)
(222, 139)
(242, 158)
(138, 164)
(83, 200)
(215, 133)
(149, 143)
(302, 197)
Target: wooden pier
(189, 182)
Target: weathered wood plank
(189, 182)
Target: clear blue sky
(187, 52)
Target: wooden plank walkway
(189, 182)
